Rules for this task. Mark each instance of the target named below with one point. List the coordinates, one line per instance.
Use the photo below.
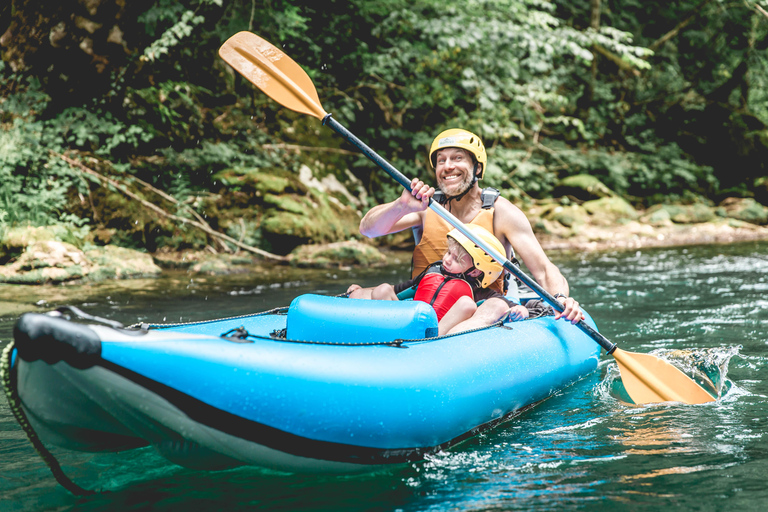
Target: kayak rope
(15, 404)
(281, 335)
(282, 310)
(142, 325)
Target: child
(454, 285)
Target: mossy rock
(568, 216)
(118, 262)
(16, 239)
(291, 224)
(313, 218)
(661, 214)
(744, 209)
(261, 180)
(24, 236)
(583, 187)
(693, 214)
(280, 212)
(44, 262)
(290, 203)
(51, 261)
(610, 209)
(336, 254)
(660, 218)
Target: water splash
(707, 367)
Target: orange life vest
(434, 237)
(441, 292)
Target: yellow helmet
(458, 138)
(490, 268)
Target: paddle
(646, 378)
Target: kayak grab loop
(237, 335)
(79, 313)
(9, 377)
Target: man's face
(453, 170)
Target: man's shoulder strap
(489, 197)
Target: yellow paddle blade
(272, 71)
(649, 379)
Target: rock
(583, 187)
(569, 216)
(745, 209)
(334, 255)
(53, 261)
(659, 215)
(330, 185)
(610, 210)
(260, 181)
(112, 262)
(693, 214)
(17, 239)
(45, 262)
(283, 212)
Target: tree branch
(760, 10)
(308, 148)
(200, 225)
(621, 63)
(672, 33)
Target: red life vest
(441, 292)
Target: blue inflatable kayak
(328, 384)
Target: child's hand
(518, 313)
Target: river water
(584, 448)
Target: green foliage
(35, 183)
(174, 106)
(495, 67)
(177, 32)
(645, 176)
(680, 121)
(97, 132)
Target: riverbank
(637, 235)
(633, 235)
(51, 255)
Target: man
(459, 160)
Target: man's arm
(511, 223)
(405, 212)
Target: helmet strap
(473, 280)
(465, 276)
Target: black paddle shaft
(371, 154)
(452, 220)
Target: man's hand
(571, 310)
(417, 199)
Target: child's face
(456, 261)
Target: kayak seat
(340, 320)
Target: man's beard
(459, 188)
